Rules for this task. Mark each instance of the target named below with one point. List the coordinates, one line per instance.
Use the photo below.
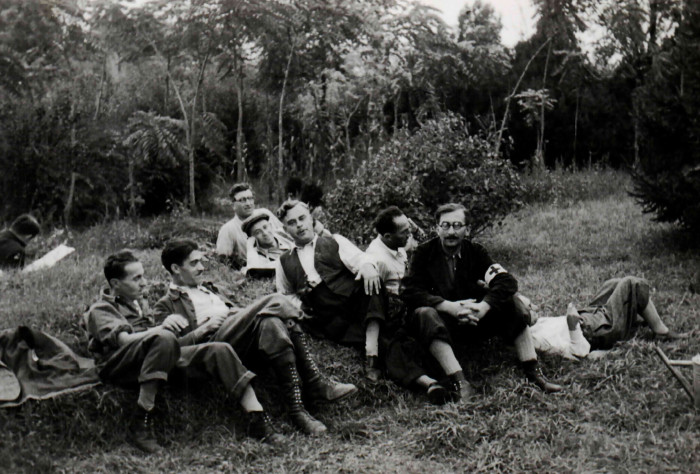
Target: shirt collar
(312, 242)
(397, 254)
(450, 256)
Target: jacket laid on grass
(11, 250)
(427, 282)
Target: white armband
(492, 271)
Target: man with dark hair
(456, 294)
(264, 246)
(13, 241)
(337, 284)
(130, 349)
(403, 356)
(264, 333)
(231, 241)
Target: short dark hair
(312, 194)
(294, 186)
(237, 188)
(26, 224)
(384, 223)
(450, 207)
(116, 263)
(176, 251)
(286, 206)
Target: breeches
(150, 358)
(342, 319)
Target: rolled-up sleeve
(105, 324)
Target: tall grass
(622, 413)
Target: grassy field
(622, 413)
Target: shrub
(667, 177)
(438, 163)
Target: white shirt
(352, 257)
(391, 264)
(232, 239)
(552, 336)
(206, 304)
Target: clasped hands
(467, 311)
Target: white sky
(516, 16)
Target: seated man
(446, 303)
(130, 349)
(337, 284)
(231, 241)
(264, 246)
(264, 332)
(13, 241)
(401, 353)
(610, 317)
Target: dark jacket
(328, 264)
(178, 302)
(427, 280)
(11, 250)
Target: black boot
(288, 376)
(140, 432)
(316, 386)
(534, 375)
(260, 427)
(459, 387)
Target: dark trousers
(342, 319)
(612, 314)
(150, 358)
(259, 334)
(428, 324)
(215, 360)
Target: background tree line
(109, 109)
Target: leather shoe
(328, 391)
(438, 395)
(536, 377)
(372, 372)
(460, 389)
(260, 427)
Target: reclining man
(446, 303)
(231, 241)
(13, 241)
(609, 318)
(264, 246)
(131, 349)
(336, 283)
(264, 333)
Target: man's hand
(213, 324)
(475, 311)
(573, 318)
(370, 277)
(175, 323)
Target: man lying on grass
(130, 349)
(609, 318)
(446, 303)
(336, 283)
(264, 333)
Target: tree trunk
(167, 86)
(239, 127)
(69, 201)
(280, 143)
(132, 184)
(576, 125)
(538, 161)
(100, 91)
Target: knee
(426, 313)
(273, 326)
(165, 340)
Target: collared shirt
(451, 260)
(258, 257)
(352, 257)
(232, 240)
(207, 305)
(391, 264)
(552, 336)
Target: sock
(425, 381)
(147, 395)
(524, 346)
(651, 316)
(372, 339)
(249, 401)
(444, 354)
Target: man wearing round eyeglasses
(455, 293)
(231, 241)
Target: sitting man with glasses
(447, 302)
(231, 241)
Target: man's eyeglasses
(454, 225)
(245, 199)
